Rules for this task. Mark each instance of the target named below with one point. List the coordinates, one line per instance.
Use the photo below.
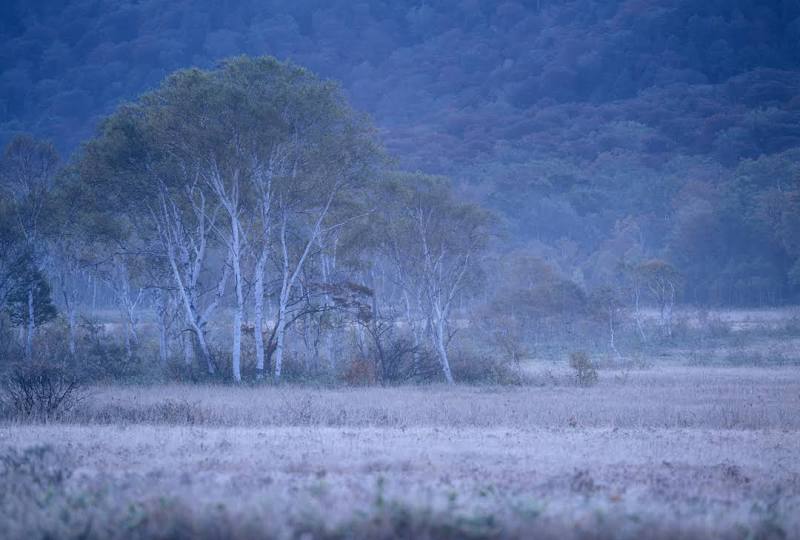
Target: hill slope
(600, 130)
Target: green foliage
(29, 281)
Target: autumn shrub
(360, 372)
(473, 367)
(40, 390)
(585, 369)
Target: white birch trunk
(289, 278)
(638, 313)
(441, 347)
(280, 332)
(238, 315)
(31, 327)
(258, 314)
(179, 242)
(188, 348)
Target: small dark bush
(585, 370)
(39, 390)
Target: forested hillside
(602, 132)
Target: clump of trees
(249, 197)
(244, 223)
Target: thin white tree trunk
(70, 305)
(238, 314)
(441, 348)
(283, 300)
(289, 278)
(280, 332)
(31, 327)
(638, 313)
(163, 308)
(611, 334)
(258, 313)
(190, 245)
(188, 348)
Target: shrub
(39, 390)
(103, 359)
(474, 368)
(360, 372)
(585, 370)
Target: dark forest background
(601, 132)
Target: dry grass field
(665, 452)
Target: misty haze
(355, 269)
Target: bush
(474, 368)
(360, 372)
(585, 370)
(103, 359)
(39, 390)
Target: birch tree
(662, 280)
(149, 203)
(246, 164)
(436, 242)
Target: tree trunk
(441, 348)
(188, 348)
(31, 327)
(638, 314)
(128, 344)
(204, 350)
(258, 314)
(238, 315)
(280, 332)
(70, 305)
(611, 334)
(192, 319)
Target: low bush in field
(360, 372)
(585, 370)
(39, 390)
(474, 368)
